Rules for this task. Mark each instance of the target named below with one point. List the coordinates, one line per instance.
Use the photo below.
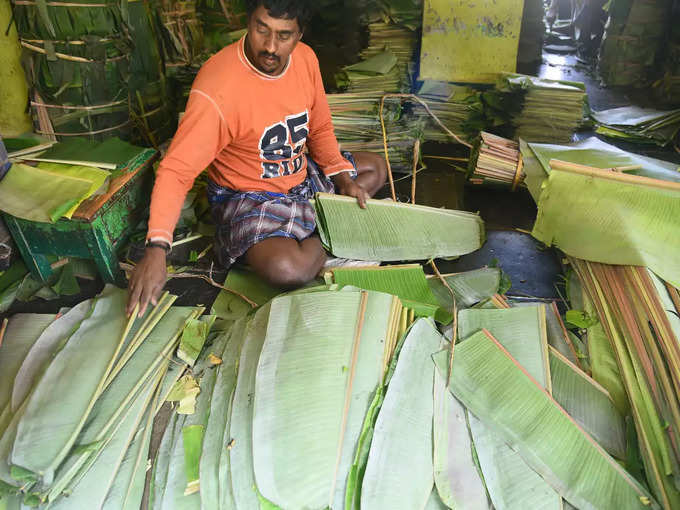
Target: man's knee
(287, 271)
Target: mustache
(265, 54)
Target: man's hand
(147, 280)
(346, 186)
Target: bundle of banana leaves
(551, 110)
(378, 74)
(632, 40)
(400, 40)
(408, 13)
(357, 127)
(459, 108)
(639, 125)
(78, 438)
(495, 160)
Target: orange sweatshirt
(249, 130)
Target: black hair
(287, 9)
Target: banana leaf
(469, 287)
(112, 153)
(611, 222)
(214, 463)
(14, 118)
(92, 488)
(434, 502)
(493, 385)
(22, 332)
(511, 482)
(229, 306)
(44, 348)
(637, 124)
(194, 335)
(457, 476)
(401, 448)
(406, 281)
(596, 153)
(388, 230)
(59, 405)
(588, 404)
(38, 195)
(331, 342)
(240, 427)
(164, 458)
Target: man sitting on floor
(253, 109)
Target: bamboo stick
(590, 171)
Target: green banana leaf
(401, 448)
(240, 427)
(382, 63)
(493, 385)
(214, 463)
(44, 348)
(588, 404)
(315, 337)
(457, 476)
(63, 398)
(594, 152)
(640, 124)
(229, 306)
(38, 195)
(21, 334)
(387, 230)
(434, 502)
(510, 480)
(611, 222)
(469, 287)
(112, 153)
(194, 335)
(171, 436)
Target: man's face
(270, 41)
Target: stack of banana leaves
(408, 13)
(79, 393)
(400, 40)
(639, 125)
(80, 59)
(357, 127)
(223, 22)
(551, 110)
(458, 107)
(632, 41)
(378, 74)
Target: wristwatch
(159, 244)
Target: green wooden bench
(99, 228)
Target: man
(253, 109)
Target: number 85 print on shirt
(282, 146)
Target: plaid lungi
(244, 218)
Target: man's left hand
(346, 186)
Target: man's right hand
(147, 280)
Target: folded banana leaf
(388, 230)
(401, 448)
(611, 222)
(112, 153)
(500, 392)
(229, 306)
